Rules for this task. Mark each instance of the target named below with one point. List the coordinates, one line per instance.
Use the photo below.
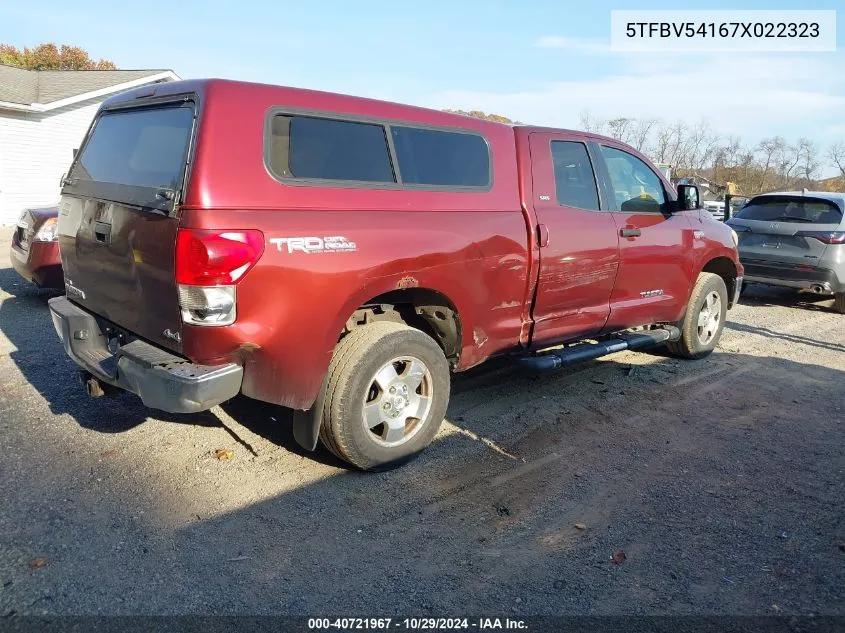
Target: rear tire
(704, 320)
(839, 302)
(386, 395)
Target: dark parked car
(796, 240)
(35, 247)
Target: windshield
(797, 210)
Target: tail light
(827, 237)
(209, 264)
(48, 231)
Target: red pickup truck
(340, 256)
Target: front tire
(839, 302)
(386, 395)
(704, 320)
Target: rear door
(770, 228)
(579, 248)
(117, 224)
(656, 255)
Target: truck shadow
(762, 295)
(465, 528)
(25, 321)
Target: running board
(557, 358)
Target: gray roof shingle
(26, 87)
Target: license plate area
(760, 240)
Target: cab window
(636, 188)
(575, 183)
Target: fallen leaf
(580, 526)
(109, 453)
(38, 563)
(223, 454)
(619, 557)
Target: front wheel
(386, 395)
(839, 302)
(704, 320)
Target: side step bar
(557, 358)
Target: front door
(656, 256)
(579, 247)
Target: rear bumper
(162, 380)
(786, 275)
(40, 263)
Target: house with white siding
(44, 115)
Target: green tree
(48, 56)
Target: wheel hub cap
(709, 318)
(398, 401)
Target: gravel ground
(721, 480)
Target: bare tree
(641, 133)
(808, 158)
(698, 149)
(770, 150)
(836, 154)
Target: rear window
(310, 147)
(441, 158)
(798, 210)
(140, 148)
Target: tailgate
(781, 228)
(117, 223)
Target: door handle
(630, 232)
(542, 235)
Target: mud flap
(306, 424)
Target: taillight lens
(48, 232)
(827, 237)
(216, 258)
(208, 305)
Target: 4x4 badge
(174, 336)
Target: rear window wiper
(791, 218)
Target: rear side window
(575, 182)
(441, 158)
(327, 149)
(140, 148)
(796, 209)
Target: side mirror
(688, 198)
(62, 180)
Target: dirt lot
(721, 480)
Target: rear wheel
(702, 325)
(386, 395)
(839, 302)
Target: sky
(538, 61)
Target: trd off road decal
(310, 245)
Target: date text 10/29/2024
(416, 624)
